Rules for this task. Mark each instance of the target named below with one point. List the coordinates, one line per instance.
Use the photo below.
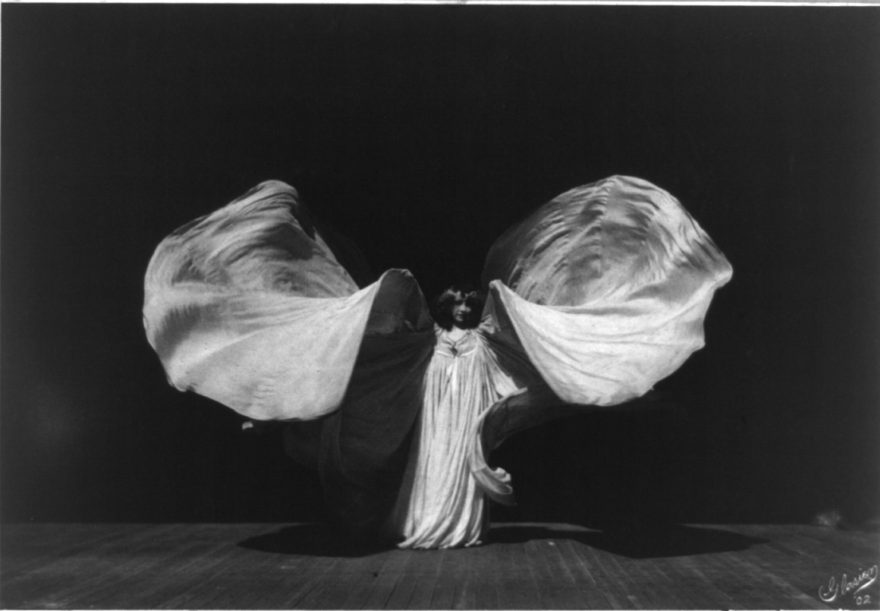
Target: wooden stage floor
(526, 566)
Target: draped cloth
(441, 501)
(594, 298)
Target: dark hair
(444, 302)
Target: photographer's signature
(849, 584)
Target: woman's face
(462, 312)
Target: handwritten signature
(854, 584)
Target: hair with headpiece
(446, 299)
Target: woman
(441, 504)
(591, 300)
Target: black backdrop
(421, 133)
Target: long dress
(593, 299)
(440, 503)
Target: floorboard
(525, 566)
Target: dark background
(421, 133)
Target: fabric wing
(249, 306)
(605, 289)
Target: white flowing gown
(441, 504)
(592, 299)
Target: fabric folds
(605, 290)
(592, 299)
(248, 306)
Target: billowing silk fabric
(594, 298)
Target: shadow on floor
(626, 539)
(312, 540)
(633, 540)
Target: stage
(525, 566)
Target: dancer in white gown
(441, 504)
(591, 300)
